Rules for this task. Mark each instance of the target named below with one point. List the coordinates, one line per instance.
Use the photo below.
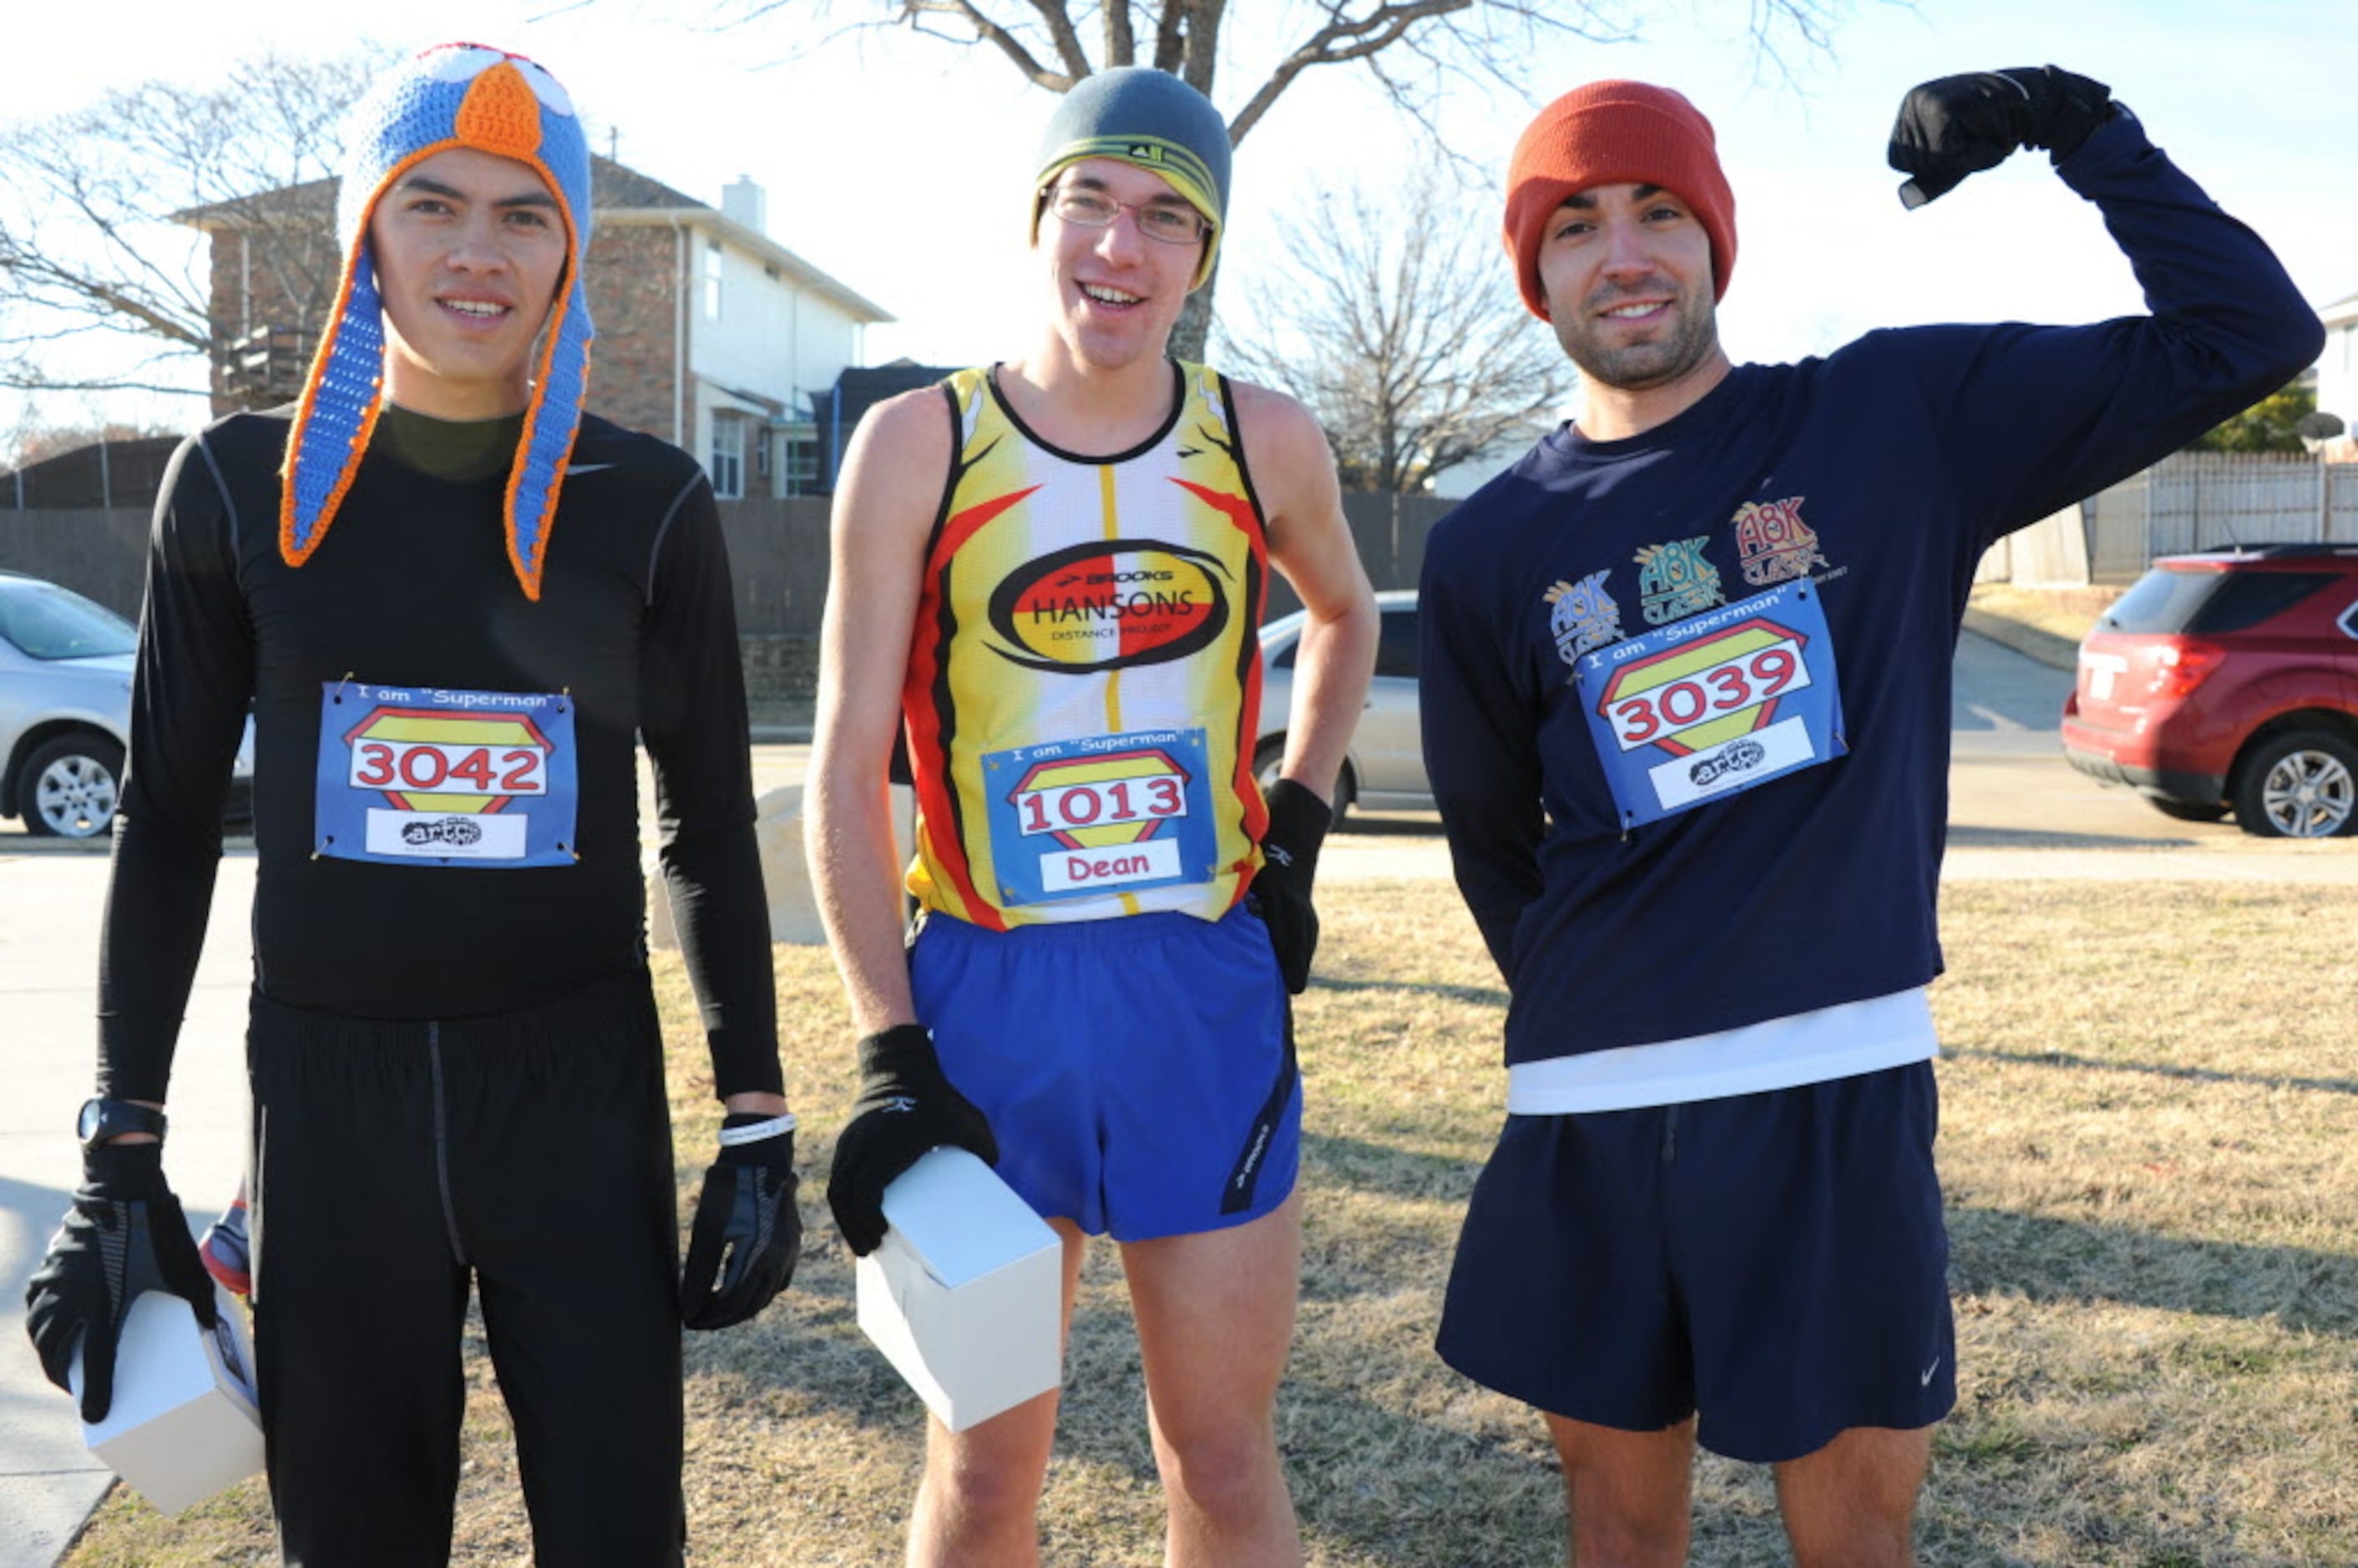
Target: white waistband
(1777, 1053)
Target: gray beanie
(1139, 115)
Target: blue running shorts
(1775, 1262)
(1138, 1072)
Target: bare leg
(1628, 1492)
(1214, 1322)
(1851, 1504)
(978, 1500)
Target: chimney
(745, 203)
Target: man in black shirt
(456, 1065)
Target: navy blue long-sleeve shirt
(1887, 469)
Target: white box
(183, 1424)
(965, 1295)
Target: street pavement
(2016, 811)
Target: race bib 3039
(1713, 705)
(426, 775)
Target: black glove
(1962, 124)
(905, 1109)
(123, 1236)
(1298, 821)
(745, 1215)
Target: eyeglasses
(1174, 223)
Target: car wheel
(1270, 755)
(69, 786)
(2303, 785)
(2185, 810)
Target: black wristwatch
(102, 1119)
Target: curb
(2056, 653)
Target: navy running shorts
(1138, 1072)
(1775, 1262)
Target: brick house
(711, 334)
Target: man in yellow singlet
(1049, 573)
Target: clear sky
(900, 165)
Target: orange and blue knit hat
(452, 95)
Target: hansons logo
(1099, 606)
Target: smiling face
(1627, 271)
(470, 250)
(1116, 292)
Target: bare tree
(1412, 48)
(100, 211)
(1397, 321)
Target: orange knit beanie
(1615, 133)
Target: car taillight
(2179, 668)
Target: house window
(728, 466)
(801, 465)
(712, 281)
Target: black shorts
(1775, 1262)
(396, 1162)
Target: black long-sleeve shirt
(411, 589)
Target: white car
(1384, 770)
(65, 709)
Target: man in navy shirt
(1685, 698)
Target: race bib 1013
(1104, 814)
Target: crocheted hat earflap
(452, 95)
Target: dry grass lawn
(2151, 1146)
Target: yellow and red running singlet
(1085, 673)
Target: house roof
(837, 411)
(856, 306)
(617, 194)
(2342, 310)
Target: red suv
(2229, 681)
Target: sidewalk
(49, 971)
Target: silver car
(65, 709)
(1384, 770)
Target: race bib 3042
(426, 775)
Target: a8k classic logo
(1107, 606)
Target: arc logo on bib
(1108, 605)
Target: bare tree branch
(1054, 17)
(1487, 42)
(90, 252)
(1121, 42)
(1344, 38)
(1394, 321)
(991, 32)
